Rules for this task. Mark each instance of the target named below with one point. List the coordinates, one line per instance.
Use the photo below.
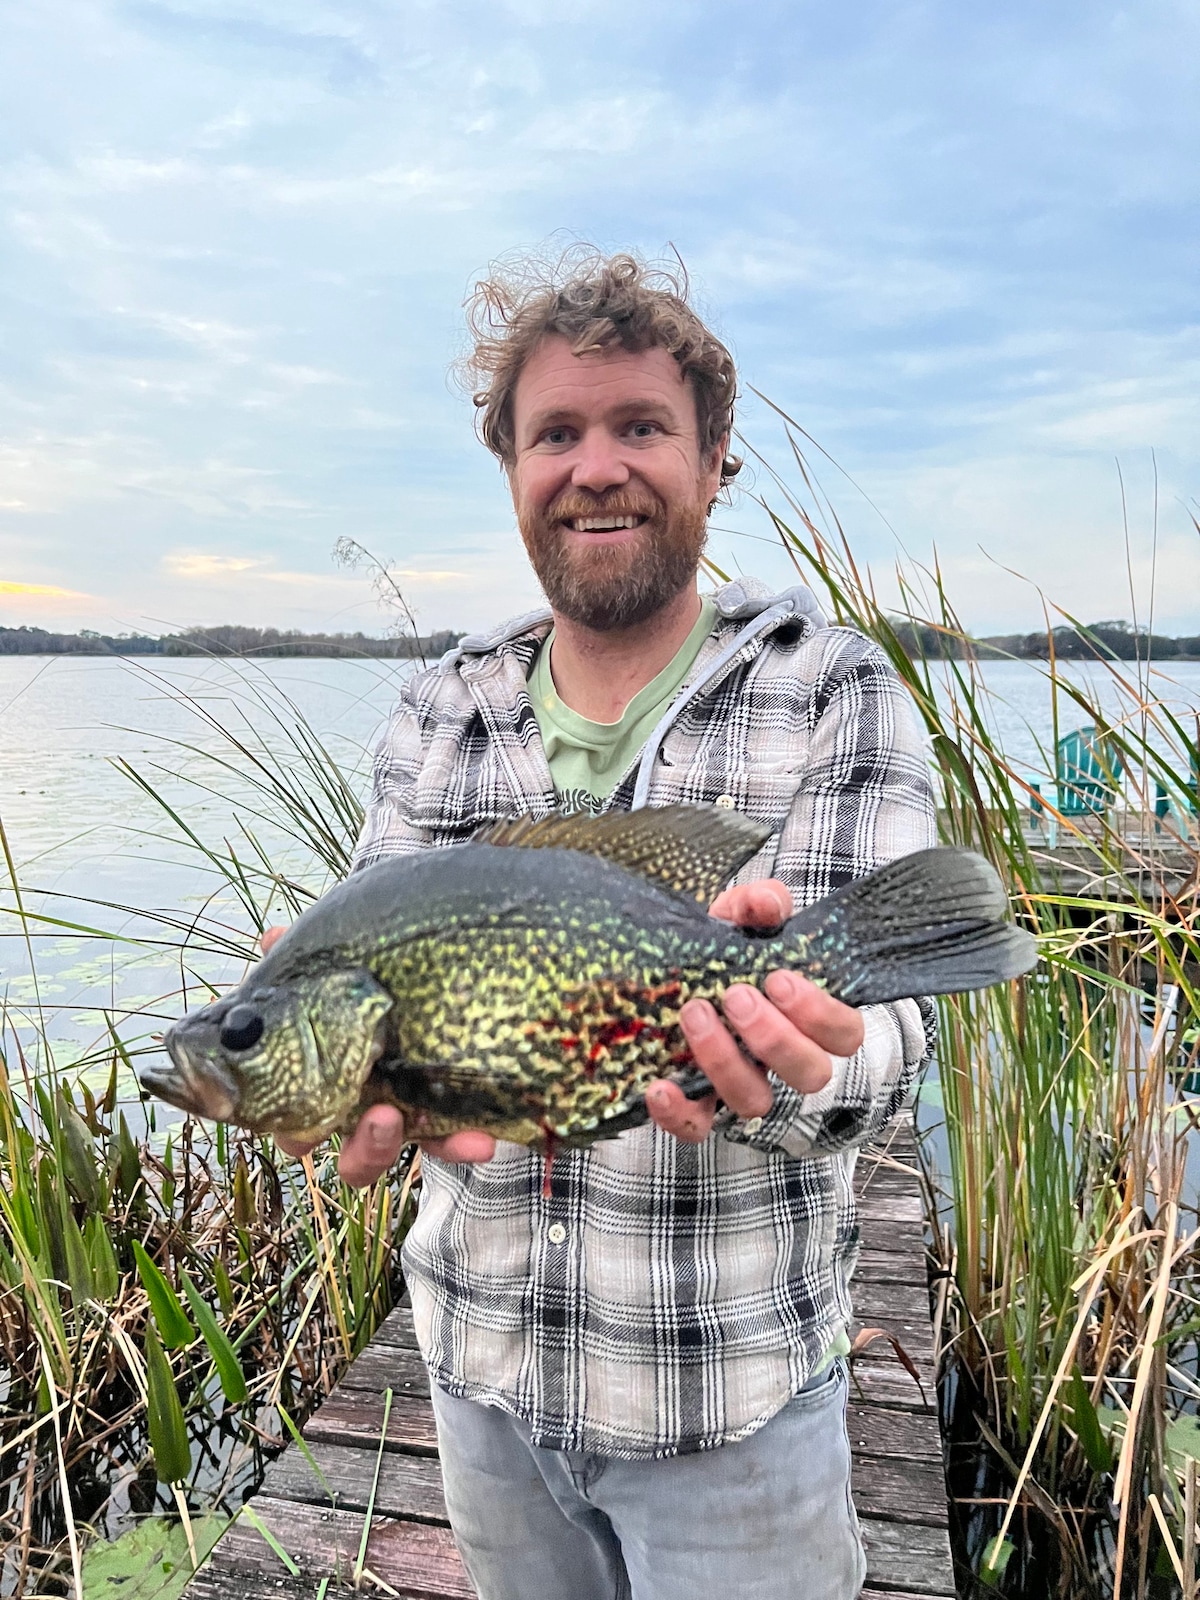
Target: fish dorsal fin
(691, 849)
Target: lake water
(86, 839)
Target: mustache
(574, 504)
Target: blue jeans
(767, 1518)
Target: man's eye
(556, 436)
(643, 430)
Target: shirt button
(725, 801)
(753, 1125)
(556, 1233)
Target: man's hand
(377, 1141)
(793, 1028)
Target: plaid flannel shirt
(666, 1297)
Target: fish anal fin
(691, 849)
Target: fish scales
(531, 984)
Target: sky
(957, 244)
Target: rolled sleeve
(860, 1099)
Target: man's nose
(599, 463)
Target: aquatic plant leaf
(130, 1164)
(1082, 1416)
(102, 1258)
(50, 1214)
(222, 1284)
(150, 1562)
(79, 1268)
(1183, 1440)
(164, 1416)
(997, 1554)
(80, 1152)
(245, 1207)
(172, 1321)
(229, 1368)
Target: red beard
(609, 586)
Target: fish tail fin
(929, 923)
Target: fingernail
(381, 1138)
(698, 1018)
(785, 906)
(783, 986)
(740, 1003)
(657, 1095)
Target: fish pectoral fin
(691, 849)
(348, 1016)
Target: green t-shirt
(588, 759)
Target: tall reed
(1068, 1332)
(170, 1300)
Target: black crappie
(530, 983)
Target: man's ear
(712, 466)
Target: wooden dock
(898, 1484)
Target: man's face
(609, 486)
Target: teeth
(604, 524)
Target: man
(637, 1376)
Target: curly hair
(596, 302)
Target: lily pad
(150, 1562)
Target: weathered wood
(907, 1557)
(888, 1303)
(894, 1594)
(415, 1558)
(900, 1491)
(355, 1416)
(902, 1262)
(397, 1328)
(878, 1430)
(383, 1366)
(887, 1384)
(878, 1210)
(409, 1486)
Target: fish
(529, 982)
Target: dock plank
(421, 1562)
(898, 1484)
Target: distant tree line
(1104, 640)
(226, 640)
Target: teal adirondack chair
(1187, 805)
(1087, 777)
(1088, 774)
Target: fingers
(470, 1145)
(689, 1120)
(740, 1083)
(373, 1148)
(775, 1035)
(765, 904)
(272, 936)
(296, 1148)
(836, 1027)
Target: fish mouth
(203, 1088)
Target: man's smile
(604, 524)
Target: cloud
(957, 245)
(196, 565)
(49, 591)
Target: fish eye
(242, 1028)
